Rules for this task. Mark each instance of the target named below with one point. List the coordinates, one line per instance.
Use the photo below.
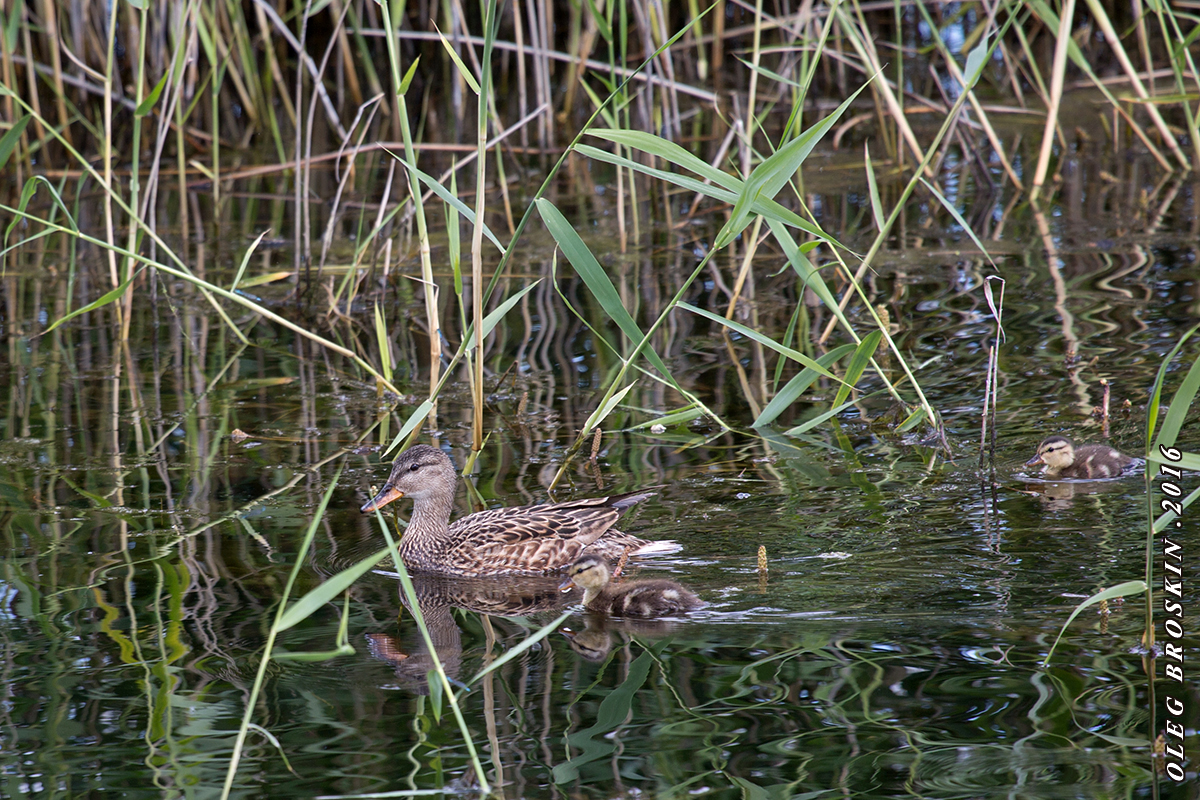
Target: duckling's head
(418, 472)
(1056, 452)
(590, 573)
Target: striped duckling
(639, 599)
(1062, 459)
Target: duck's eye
(414, 468)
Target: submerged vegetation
(412, 194)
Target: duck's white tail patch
(657, 548)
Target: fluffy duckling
(640, 599)
(1062, 459)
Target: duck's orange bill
(566, 584)
(1035, 460)
(388, 494)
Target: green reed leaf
(330, 588)
(9, 140)
(237, 278)
(493, 319)
(597, 280)
(102, 301)
(914, 419)
(670, 152)
(791, 391)
(1120, 590)
(603, 411)
(873, 189)
(447, 197)
(1176, 422)
(858, 364)
(821, 418)
(458, 62)
(768, 208)
(769, 177)
(408, 76)
(311, 656)
(525, 644)
(147, 105)
(1163, 522)
(976, 60)
(762, 339)
(667, 420)
(381, 342)
(435, 693)
(966, 226)
(27, 192)
(414, 419)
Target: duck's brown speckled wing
(530, 540)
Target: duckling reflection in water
(596, 640)
(639, 599)
(1062, 459)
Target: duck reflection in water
(437, 596)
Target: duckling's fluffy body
(1062, 459)
(644, 599)
(522, 540)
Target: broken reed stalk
(992, 388)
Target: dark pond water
(893, 649)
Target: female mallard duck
(1063, 459)
(643, 599)
(524, 540)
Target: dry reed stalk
(31, 82)
(543, 57)
(991, 393)
(660, 35)
(308, 137)
(1114, 42)
(752, 94)
(273, 66)
(401, 121)
(327, 237)
(347, 57)
(522, 81)
(539, 41)
(106, 149)
(981, 116)
(865, 48)
(52, 37)
(582, 46)
(1057, 73)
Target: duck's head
(588, 573)
(419, 471)
(1056, 452)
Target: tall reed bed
(381, 131)
(141, 99)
